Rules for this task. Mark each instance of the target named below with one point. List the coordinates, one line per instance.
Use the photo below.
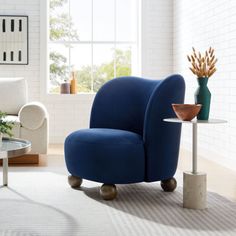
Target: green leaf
(5, 126)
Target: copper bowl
(186, 112)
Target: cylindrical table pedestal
(195, 190)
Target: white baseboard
(227, 162)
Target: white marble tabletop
(195, 121)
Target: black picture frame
(25, 44)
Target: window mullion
(138, 31)
(95, 42)
(69, 43)
(92, 49)
(115, 38)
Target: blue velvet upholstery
(89, 154)
(128, 141)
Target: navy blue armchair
(128, 141)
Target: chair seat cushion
(106, 155)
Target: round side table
(12, 147)
(195, 183)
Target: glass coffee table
(11, 147)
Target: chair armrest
(32, 115)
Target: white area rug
(42, 203)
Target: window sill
(67, 97)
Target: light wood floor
(219, 179)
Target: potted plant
(5, 126)
(203, 66)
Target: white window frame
(44, 53)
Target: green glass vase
(203, 97)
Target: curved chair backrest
(161, 138)
(140, 105)
(121, 104)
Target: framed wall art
(14, 40)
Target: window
(95, 39)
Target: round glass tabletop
(11, 147)
(195, 121)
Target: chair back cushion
(13, 95)
(121, 104)
(162, 139)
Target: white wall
(31, 71)
(157, 40)
(204, 23)
(69, 113)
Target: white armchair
(30, 118)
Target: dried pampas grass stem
(202, 65)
